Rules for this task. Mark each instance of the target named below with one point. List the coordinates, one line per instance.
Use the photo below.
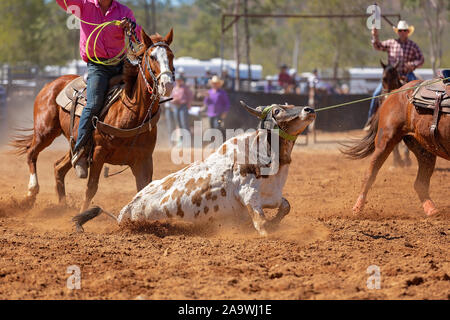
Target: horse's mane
(130, 72)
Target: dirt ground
(320, 251)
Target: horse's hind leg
(398, 162)
(427, 162)
(385, 142)
(38, 143)
(62, 166)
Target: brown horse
(129, 111)
(397, 120)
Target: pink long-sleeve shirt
(111, 40)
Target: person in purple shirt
(216, 102)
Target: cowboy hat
(403, 25)
(216, 79)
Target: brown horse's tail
(364, 147)
(22, 142)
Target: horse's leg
(62, 166)
(427, 162)
(95, 170)
(398, 162)
(143, 171)
(385, 141)
(407, 158)
(39, 142)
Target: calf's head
(290, 120)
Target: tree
(435, 13)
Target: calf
(245, 175)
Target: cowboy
(110, 42)
(402, 51)
(216, 102)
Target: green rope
(381, 95)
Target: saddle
(433, 97)
(73, 97)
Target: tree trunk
(153, 16)
(435, 28)
(237, 77)
(295, 52)
(247, 47)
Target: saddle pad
(78, 87)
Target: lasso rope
(379, 96)
(100, 26)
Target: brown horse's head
(391, 77)
(159, 57)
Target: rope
(379, 96)
(100, 26)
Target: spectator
(268, 86)
(182, 99)
(284, 79)
(216, 102)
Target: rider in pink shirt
(109, 44)
(111, 40)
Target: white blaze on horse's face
(166, 81)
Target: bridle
(155, 78)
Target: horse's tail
(22, 142)
(364, 147)
(90, 214)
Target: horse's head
(291, 119)
(158, 61)
(391, 77)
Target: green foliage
(34, 32)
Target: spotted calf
(238, 178)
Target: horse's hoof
(359, 206)
(429, 208)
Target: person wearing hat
(403, 51)
(216, 102)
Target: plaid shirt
(407, 53)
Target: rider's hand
(375, 33)
(127, 24)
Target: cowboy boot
(79, 162)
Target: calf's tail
(90, 214)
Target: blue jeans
(374, 103)
(97, 88)
(171, 121)
(214, 122)
(181, 115)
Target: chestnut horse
(129, 111)
(397, 119)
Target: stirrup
(77, 156)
